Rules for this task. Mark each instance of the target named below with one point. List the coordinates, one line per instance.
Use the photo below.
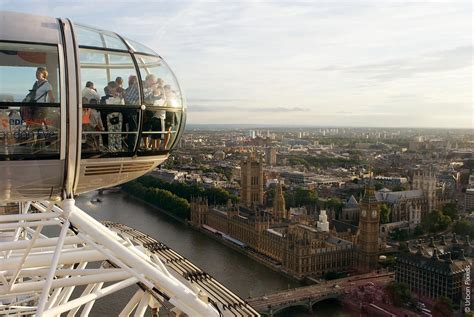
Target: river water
(240, 274)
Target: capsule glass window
(90, 37)
(111, 99)
(29, 101)
(163, 115)
(160, 87)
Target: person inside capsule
(131, 96)
(113, 120)
(171, 119)
(43, 122)
(154, 94)
(91, 120)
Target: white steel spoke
(87, 308)
(127, 310)
(54, 264)
(40, 271)
(142, 306)
(25, 254)
(93, 296)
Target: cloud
(326, 62)
(447, 60)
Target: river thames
(245, 277)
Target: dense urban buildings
(322, 202)
(302, 248)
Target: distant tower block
(251, 177)
(323, 224)
(270, 156)
(279, 206)
(369, 223)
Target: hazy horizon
(344, 63)
(302, 126)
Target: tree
(160, 198)
(398, 293)
(384, 214)
(215, 196)
(335, 204)
(378, 186)
(400, 235)
(443, 307)
(450, 210)
(305, 197)
(435, 221)
(464, 227)
(418, 231)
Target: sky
(313, 63)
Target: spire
(370, 176)
(467, 241)
(369, 195)
(432, 244)
(454, 240)
(435, 254)
(420, 250)
(443, 240)
(447, 258)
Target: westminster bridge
(307, 296)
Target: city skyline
(396, 64)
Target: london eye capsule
(80, 108)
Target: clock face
(374, 213)
(364, 212)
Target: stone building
(435, 270)
(308, 251)
(424, 179)
(350, 212)
(302, 248)
(408, 205)
(279, 206)
(368, 236)
(251, 181)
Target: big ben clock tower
(369, 221)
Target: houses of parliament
(306, 247)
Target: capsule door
(32, 103)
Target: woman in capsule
(44, 90)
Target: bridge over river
(309, 295)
